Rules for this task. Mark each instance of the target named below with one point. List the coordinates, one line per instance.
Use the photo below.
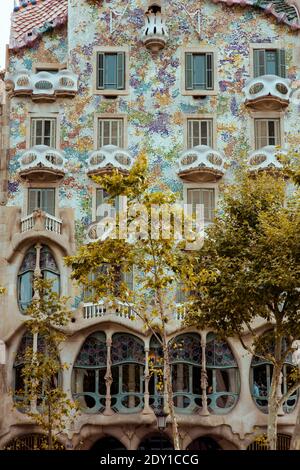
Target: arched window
(204, 443)
(260, 383)
(156, 368)
(128, 361)
(222, 374)
(88, 380)
(26, 345)
(185, 359)
(108, 443)
(49, 270)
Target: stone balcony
(42, 163)
(107, 158)
(40, 220)
(267, 93)
(42, 86)
(200, 164)
(155, 33)
(266, 159)
(103, 309)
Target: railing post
(108, 377)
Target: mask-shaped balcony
(42, 163)
(267, 93)
(42, 86)
(266, 159)
(107, 158)
(155, 33)
(200, 164)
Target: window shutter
(188, 71)
(50, 201)
(259, 59)
(209, 71)
(33, 132)
(282, 63)
(32, 201)
(121, 70)
(100, 70)
(53, 133)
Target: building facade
(201, 87)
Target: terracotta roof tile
(31, 21)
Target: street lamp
(162, 420)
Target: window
(199, 132)
(43, 132)
(205, 196)
(128, 362)
(267, 132)
(43, 199)
(88, 381)
(261, 379)
(46, 69)
(199, 71)
(185, 359)
(269, 62)
(49, 271)
(111, 132)
(110, 71)
(102, 197)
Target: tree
(249, 270)
(41, 397)
(159, 262)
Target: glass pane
(271, 62)
(111, 71)
(25, 289)
(204, 133)
(106, 133)
(199, 72)
(39, 128)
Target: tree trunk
(273, 409)
(168, 378)
(50, 439)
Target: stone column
(108, 376)
(147, 408)
(204, 382)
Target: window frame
(265, 46)
(48, 66)
(33, 133)
(276, 128)
(266, 115)
(209, 185)
(43, 114)
(108, 91)
(199, 92)
(110, 116)
(199, 117)
(41, 189)
(120, 132)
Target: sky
(6, 8)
